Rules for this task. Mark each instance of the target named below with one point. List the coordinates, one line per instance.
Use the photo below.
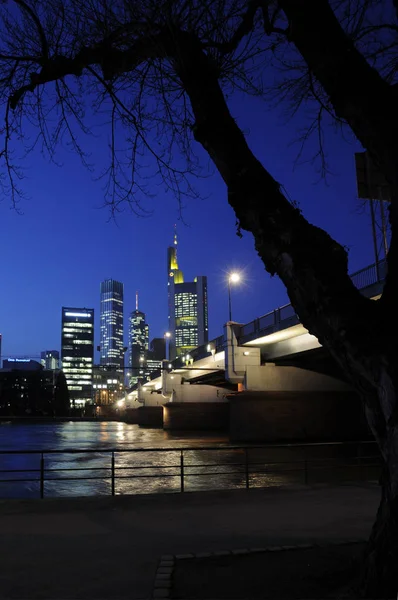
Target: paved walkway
(109, 548)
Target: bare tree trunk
(314, 269)
(380, 576)
(310, 263)
(359, 96)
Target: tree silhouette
(162, 70)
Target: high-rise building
(111, 325)
(138, 344)
(50, 359)
(155, 355)
(187, 303)
(77, 353)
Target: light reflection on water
(221, 468)
(89, 435)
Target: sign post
(372, 186)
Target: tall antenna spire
(175, 245)
(136, 301)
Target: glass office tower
(187, 308)
(138, 345)
(111, 325)
(77, 353)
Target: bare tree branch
(28, 9)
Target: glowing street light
(233, 279)
(167, 336)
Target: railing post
(42, 476)
(182, 471)
(247, 468)
(113, 474)
(306, 472)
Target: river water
(221, 467)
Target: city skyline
(207, 232)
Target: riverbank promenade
(109, 548)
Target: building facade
(21, 364)
(27, 389)
(77, 353)
(155, 356)
(108, 385)
(50, 359)
(138, 345)
(187, 308)
(111, 324)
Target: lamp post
(167, 337)
(233, 278)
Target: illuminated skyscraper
(138, 344)
(111, 325)
(188, 314)
(77, 353)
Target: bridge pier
(145, 416)
(196, 416)
(296, 416)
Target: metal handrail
(367, 277)
(188, 448)
(248, 468)
(362, 279)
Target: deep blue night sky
(63, 245)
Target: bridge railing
(217, 344)
(124, 471)
(285, 316)
(370, 275)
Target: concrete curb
(165, 570)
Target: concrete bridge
(272, 358)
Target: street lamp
(233, 278)
(167, 337)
